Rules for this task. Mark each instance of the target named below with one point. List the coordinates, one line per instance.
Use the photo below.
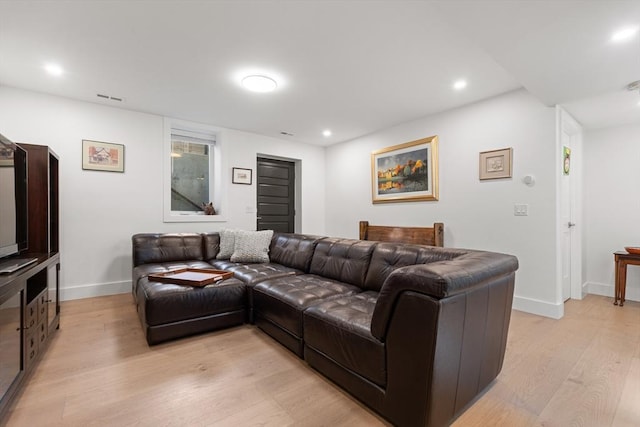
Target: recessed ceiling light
(624, 34)
(54, 69)
(326, 133)
(460, 84)
(259, 83)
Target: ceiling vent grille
(109, 97)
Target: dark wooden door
(276, 190)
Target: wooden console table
(622, 259)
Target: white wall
(476, 214)
(611, 205)
(100, 211)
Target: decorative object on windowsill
(241, 176)
(635, 250)
(496, 164)
(208, 208)
(102, 156)
(406, 172)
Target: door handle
(571, 224)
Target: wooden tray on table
(191, 276)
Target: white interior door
(567, 225)
(569, 213)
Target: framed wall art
(406, 172)
(566, 160)
(496, 164)
(241, 176)
(102, 156)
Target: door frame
(297, 216)
(567, 124)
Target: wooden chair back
(433, 236)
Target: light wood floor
(583, 370)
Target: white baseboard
(541, 308)
(606, 289)
(95, 290)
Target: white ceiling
(350, 66)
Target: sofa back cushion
(387, 257)
(293, 250)
(211, 245)
(154, 247)
(342, 259)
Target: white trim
(95, 290)
(607, 289)
(541, 308)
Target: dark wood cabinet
(42, 199)
(29, 297)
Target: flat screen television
(13, 198)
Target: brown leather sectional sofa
(415, 332)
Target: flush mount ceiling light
(624, 34)
(54, 69)
(460, 84)
(326, 133)
(259, 83)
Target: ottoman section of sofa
(170, 311)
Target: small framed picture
(566, 160)
(241, 176)
(496, 164)
(102, 156)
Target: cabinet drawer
(42, 332)
(42, 306)
(31, 315)
(32, 346)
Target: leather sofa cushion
(144, 270)
(387, 257)
(254, 273)
(151, 248)
(293, 250)
(165, 303)
(283, 300)
(211, 243)
(340, 329)
(344, 260)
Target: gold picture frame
(496, 164)
(406, 172)
(102, 156)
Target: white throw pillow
(252, 246)
(227, 244)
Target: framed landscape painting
(406, 172)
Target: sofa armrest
(439, 280)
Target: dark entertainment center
(29, 296)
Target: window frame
(216, 183)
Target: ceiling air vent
(109, 97)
